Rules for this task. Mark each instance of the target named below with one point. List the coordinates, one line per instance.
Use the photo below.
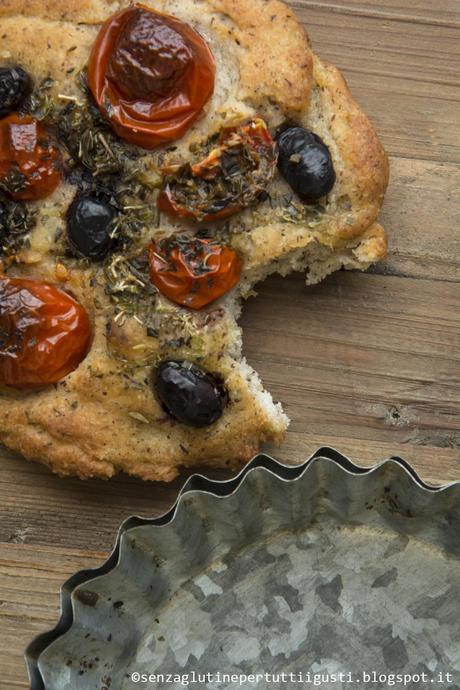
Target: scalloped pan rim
(198, 483)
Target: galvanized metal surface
(324, 567)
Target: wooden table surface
(367, 363)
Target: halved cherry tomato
(29, 161)
(193, 272)
(231, 177)
(219, 209)
(151, 75)
(44, 333)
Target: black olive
(15, 86)
(305, 162)
(189, 394)
(89, 223)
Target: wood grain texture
(422, 216)
(366, 363)
(405, 72)
(366, 359)
(30, 578)
(446, 13)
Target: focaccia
(272, 104)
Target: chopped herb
(194, 251)
(90, 140)
(16, 222)
(140, 418)
(133, 219)
(103, 165)
(86, 139)
(129, 286)
(232, 172)
(13, 182)
(40, 104)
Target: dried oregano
(16, 222)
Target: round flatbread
(104, 416)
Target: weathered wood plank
(436, 466)
(37, 507)
(446, 13)
(405, 75)
(365, 358)
(422, 214)
(42, 509)
(30, 579)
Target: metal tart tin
(322, 568)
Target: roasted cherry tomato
(29, 161)
(44, 333)
(151, 75)
(234, 175)
(194, 271)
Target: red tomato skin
(167, 204)
(25, 146)
(44, 333)
(150, 124)
(183, 282)
(262, 143)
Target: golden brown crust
(95, 442)
(276, 62)
(86, 11)
(103, 418)
(364, 170)
(46, 48)
(73, 431)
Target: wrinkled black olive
(15, 86)
(305, 162)
(89, 223)
(189, 394)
